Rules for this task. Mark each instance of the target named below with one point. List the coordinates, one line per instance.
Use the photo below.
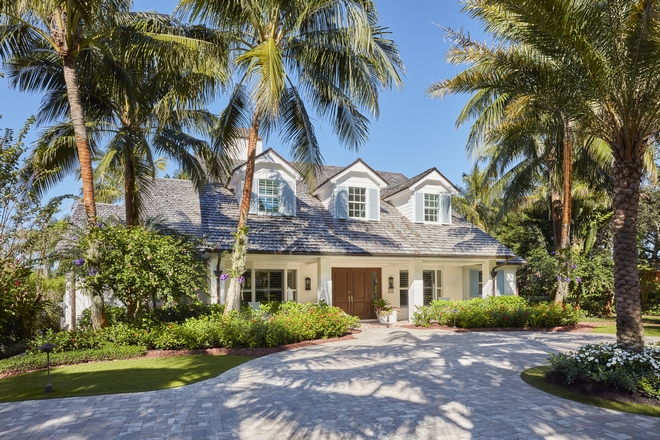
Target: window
(476, 282)
(431, 207)
(403, 288)
(246, 287)
(291, 285)
(268, 285)
(432, 285)
(357, 202)
(269, 196)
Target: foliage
(501, 311)
(25, 228)
(606, 363)
(137, 265)
(649, 227)
(292, 322)
(37, 361)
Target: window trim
(363, 202)
(428, 209)
(276, 183)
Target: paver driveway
(389, 383)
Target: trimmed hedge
(501, 311)
(38, 360)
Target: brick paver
(389, 383)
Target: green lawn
(649, 330)
(536, 378)
(126, 376)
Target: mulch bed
(254, 352)
(581, 327)
(590, 388)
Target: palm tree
(606, 69)
(158, 108)
(62, 30)
(475, 200)
(332, 52)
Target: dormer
(426, 198)
(353, 192)
(273, 187)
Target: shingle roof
(213, 216)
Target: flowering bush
(606, 363)
(501, 311)
(292, 322)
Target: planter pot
(394, 317)
(382, 319)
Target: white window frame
(272, 190)
(431, 211)
(359, 205)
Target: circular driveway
(389, 383)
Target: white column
(416, 292)
(324, 277)
(223, 284)
(487, 288)
(213, 285)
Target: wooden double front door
(354, 290)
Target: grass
(649, 330)
(536, 378)
(126, 376)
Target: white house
(358, 235)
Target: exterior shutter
(341, 202)
(445, 208)
(419, 207)
(254, 199)
(288, 199)
(374, 204)
(474, 283)
(500, 283)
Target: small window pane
(403, 287)
(431, 207)
(357, 202)
(269, 196)
(428, 278)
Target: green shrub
(607, 363)
(68, 340)
(37, 361)
(501, 311)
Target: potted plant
(383, 313)
(394, 314)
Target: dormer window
(357, 202)
(431, 207)
(269, 196)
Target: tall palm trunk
(84, 153)
(239, 254)
(129, 189)
(566, 214)
(627, 180)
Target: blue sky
(413, 132)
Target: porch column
(488, 282)
(416, 291)
(213, 287)
(223, 285)
(324, 277)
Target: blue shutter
(500, 282)
(445, 209)
(341, 202)
(288, 199)
(254, 198)
(474, 283)
(374, 204)
(419, 207)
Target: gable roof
(346, 169)
(392, 190)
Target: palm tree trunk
(129, 190)
(233, 299)
(627, 180)
(84, 153)
(566, 214)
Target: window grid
(431, 207)
(357, 202)
(403, 287)
(269, 196)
